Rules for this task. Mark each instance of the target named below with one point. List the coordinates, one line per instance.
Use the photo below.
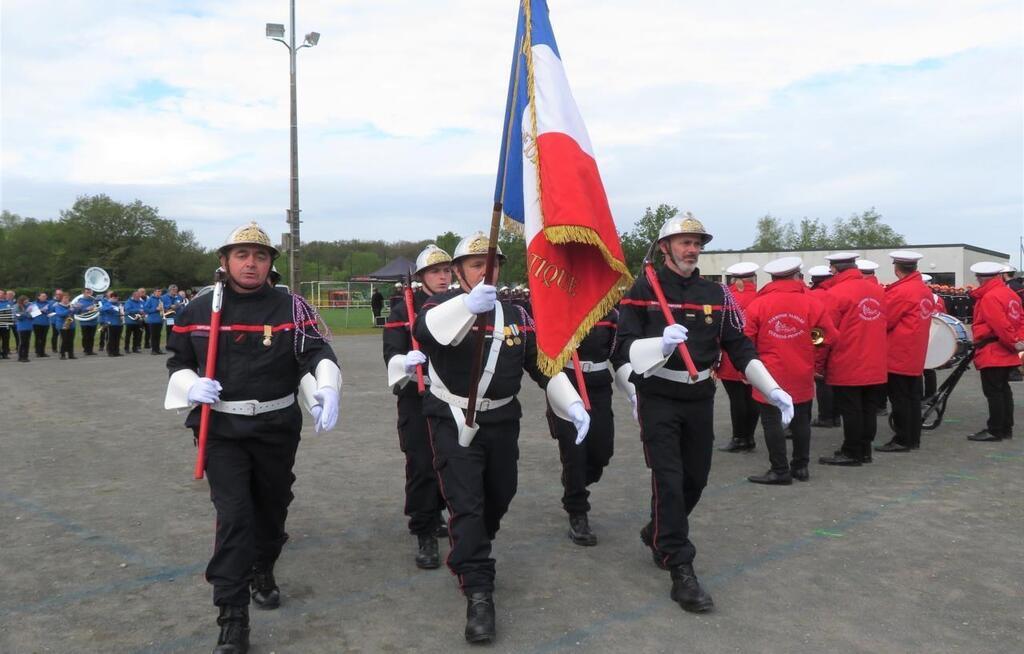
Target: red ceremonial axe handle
(652, 279)
(211, 370)
(580, 382)
(415, 344)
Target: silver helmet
(685, 224)
(431, 256)
(251, 234)
(474, 244)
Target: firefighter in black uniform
(477, 466)
(676, 421)
(583, 465)
(270, 350)
(423, 500)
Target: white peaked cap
(742, 269)
(783, 266)
(839, 257)
(866, 266)
(906, 256)
(1009, 268)
(987, 268)
(819, 271)
(926, 277)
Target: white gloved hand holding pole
(481, 299)
(784, 403)
(580, 420)
(412, 359)
(671, 338)
(204, 391)
(325, 412)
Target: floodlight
(312, 38)
(275, 31)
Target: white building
(947, 264)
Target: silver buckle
(586, 366)
(484, 404)
(250, 407)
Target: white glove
(784, 403)
(636, 414)
(204, 391)
(1019, 346)
(481, 299)
(671, 338)
(412, 359)
(580, 420)
(325, 413)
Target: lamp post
(276, 32)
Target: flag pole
(655, 284)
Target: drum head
(943, 341)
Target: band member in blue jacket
(58, 295)
(113, 312)
(134, 321)
(172, 304)
(40, 322)
(154, 308)
(6, 302)
(23, 327)
(85, 303)
(64, 315)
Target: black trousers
(826, 401)
(40, 332)
(677, 436)
(155, 330)
(995, 384)
(478, 483)
(67, 341)
(930, 383)
(114, 339)
(251, 488)
(145, 336)
(423, 500)
(5, 341)
(858, 406)
(775, 436)
(22, 339)
(742, 409)
(103, 337)
(583, 464)
(88, 338)
(54, 337)
(905, 394)
(132, 338)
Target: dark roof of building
(395, 269)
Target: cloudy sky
(731, 109)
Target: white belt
(588, 366)
(253, 407)
(681, 376)
(482, 404)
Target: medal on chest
(707, 314)
(512, 335)
(267, 335)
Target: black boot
(739, 445)
(984, 436)
(772, 478)
(579, 530)
(840, 458)
(265, 593)
(800, 474)
(427, 557)
(892, 446)
(234, 630)
(480, 618)
(687, 591)
(647, 536)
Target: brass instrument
(817, 336)
(7, 317)
(97, 280)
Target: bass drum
(948, 342)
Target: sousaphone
(97, 280)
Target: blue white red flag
(550, 188)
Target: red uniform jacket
(725, 369)
(856, 307)
(909, 306)
(997, 313)
(779, 322)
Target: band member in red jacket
(857, 364)
(742, 408)
(783, 322)
(909, 306)
(828, 416)
(998, 331)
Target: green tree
(810, 235)
(513, 246)
(771, 234)
(448, 241)
(637, 241)
(864, 230)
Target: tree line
(138, 247)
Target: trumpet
(817, 336)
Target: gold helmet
(474, 244)
(251, 234)
(685, 224)
(431, 256)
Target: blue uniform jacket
(132, 307)
(62, 314)
(43, 319)
(22, 319)
(152, 309)
(110, 313)
(84, 304)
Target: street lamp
(276, 32)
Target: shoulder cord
(308, 323)
(732, 309)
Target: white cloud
(733, 109)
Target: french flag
(550, 188)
